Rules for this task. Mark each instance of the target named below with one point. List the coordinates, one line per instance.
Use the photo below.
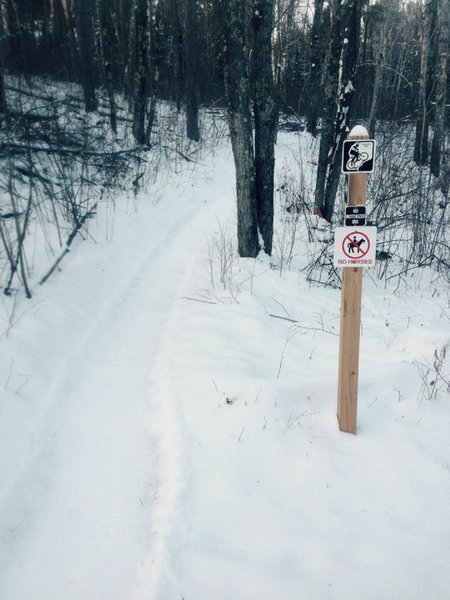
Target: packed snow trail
(95, 488)
(158, 448)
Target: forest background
(167, 409)
(140, 63)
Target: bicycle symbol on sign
(357, 158)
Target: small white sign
(355, 247)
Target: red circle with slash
(352, 248)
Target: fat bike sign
(355, 247)
(358, 156)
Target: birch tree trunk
(3, 105)
(316, 70)
(443, 18)
(105, 17)
(371, 123)
(425, 83)
(339, 91)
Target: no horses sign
(355, 247)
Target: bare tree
(240, 121)
(443, 18)
(427, 55)
(84, 23)
(379, 39)
(140, 46)
(315, 76)
(265, 108)
(105, 18)
(283, 33)
(3, 106)
(191, 67)
(339, 90)
(249, 81)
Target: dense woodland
(125, 63)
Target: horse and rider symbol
(356, 245)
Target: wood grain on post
(350, 322)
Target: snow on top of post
(359, 131)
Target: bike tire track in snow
(166, 427)
(96, 491)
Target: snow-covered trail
(95, 488)
(159, 448)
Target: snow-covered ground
(168, 419)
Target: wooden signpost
(358, 159)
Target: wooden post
(351, 314)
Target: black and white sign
(358, 156)
(355, 247)
(355, 216)
(355, 221)
(357, 210)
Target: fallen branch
(11, 215)
(66, 248)
(30, 173)
(31, 117)
(198, 300)
(26, 148)
(283, 318)
(304, 327)
(184, 156)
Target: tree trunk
(439, 113)
(3, 105)
(105, 42)
(266, 117)
(141, 51)
(191, 68)
(240, 121)
(339, 92)
(84, 22)
(316, 71)
(282, 39)
(371, 123)
(425, 84)
(121, 21)
(331, 83)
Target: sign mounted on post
(358, 156)
(355, 247)
(355, 216)
(358, 210)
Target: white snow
(359, 131)
(168, 419)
